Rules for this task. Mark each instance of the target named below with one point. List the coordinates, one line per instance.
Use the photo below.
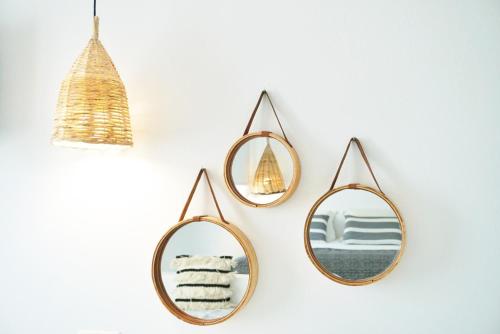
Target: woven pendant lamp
(92, 108)
(268, 178)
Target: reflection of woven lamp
(92, 106)
(268, 178)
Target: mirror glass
(262, 170)
(355, 234)
(204, 270)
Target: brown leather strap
(262, 94)
(360, 147)
(186, 206)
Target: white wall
(418, 82)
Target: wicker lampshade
(92, 106)
(268, 178)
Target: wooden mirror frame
(327, 273)
(228, 164)
(253, 269)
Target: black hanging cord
(95, 7)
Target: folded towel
(374, 227)
(203, 282)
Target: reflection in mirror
(355, 235)
(204, 270)
(262, 170)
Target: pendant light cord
(96, 23)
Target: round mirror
(262, 169)
(354, 235)
(204, 270)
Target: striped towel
(371, 227)
(203, 282)
(318, 227)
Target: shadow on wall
(437, 232)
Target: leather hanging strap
(262, 94)
(186, 206)
(363, 154)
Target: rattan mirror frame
(253, 269)
(320, 267)
(228, 164)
